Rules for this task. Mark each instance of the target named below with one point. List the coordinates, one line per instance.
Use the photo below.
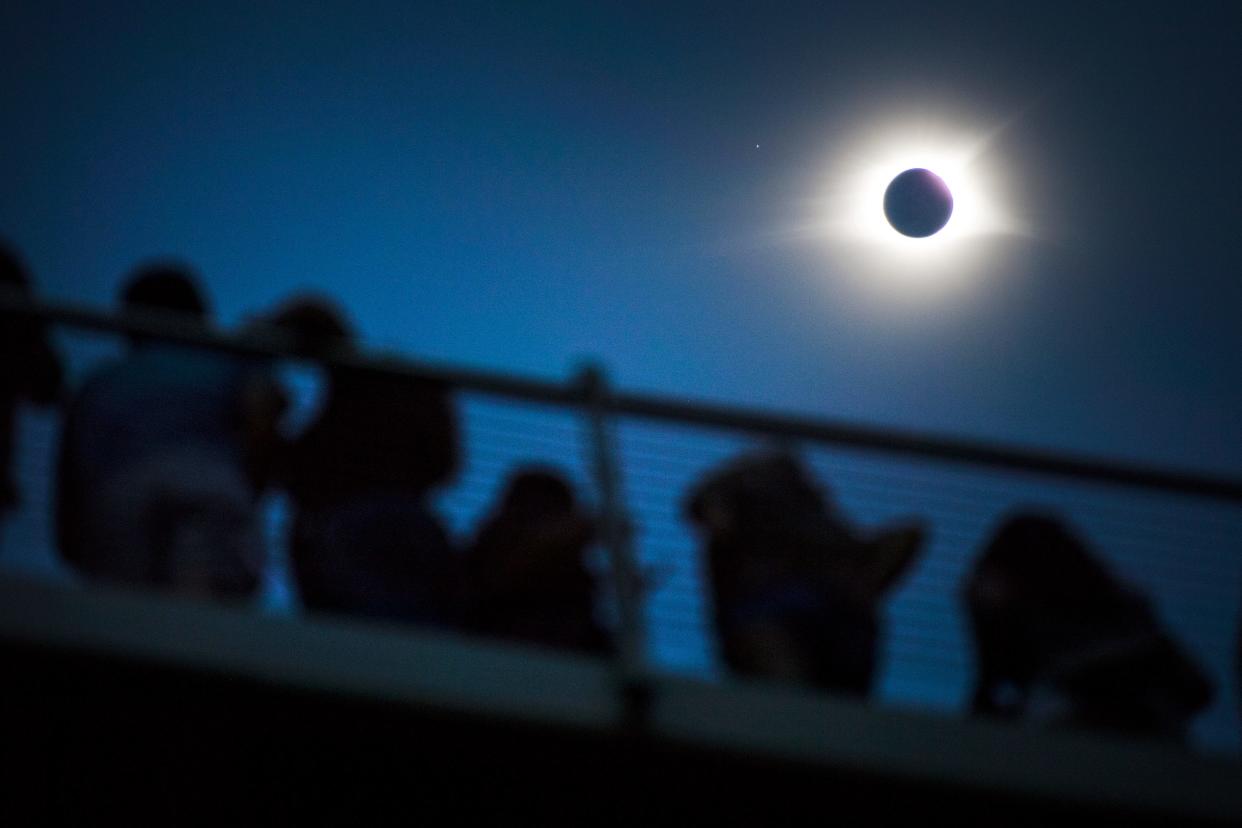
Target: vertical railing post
(616, 532)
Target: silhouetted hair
(795, 589)
(537, 492)
(165, 286)
(13, 272)
(1047, 613)
(756, 489)
(1048, 560)
(526, 575)
(317, 323)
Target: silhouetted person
(30, 370)
(796, 590)
(1059, 639)
(153, 482)
(525, 571)
(364, 540)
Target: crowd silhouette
(166, 451)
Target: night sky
(519, 186)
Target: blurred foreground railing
(596, 394)
(1175, 533)
(136, 703)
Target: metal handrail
(645, 406)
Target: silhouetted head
(165, 286)
(1035, 557)
(1048, 616)
(13, 271)
(316, 322)
(755, 489)
(538, 492)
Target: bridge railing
(1174, 534)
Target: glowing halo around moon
(849, 224)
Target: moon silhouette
(918, 203)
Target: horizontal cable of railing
(274, 344)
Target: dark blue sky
(519, 185)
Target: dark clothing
(8, 486)
(152, 483)
(1058, 638)
(377, 433)
(29, 370)
(834, 633)
(380, 556)
(528, 582)
(364, 542)
(795, 590)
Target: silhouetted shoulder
(30, 369)
(152, 484)
(795, 588)
(29, 366)
(1059, 637)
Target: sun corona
(914, 204)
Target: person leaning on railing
(365, 541)
(796, 590)
(153, 483)
(30, 370)
(1062, 641)
(526, 574)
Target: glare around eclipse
(849, 212)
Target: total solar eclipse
(917, 203)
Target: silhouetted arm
(263, 403)
(441, 448)
(45, 371)
(65, 507)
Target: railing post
(616, 533)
